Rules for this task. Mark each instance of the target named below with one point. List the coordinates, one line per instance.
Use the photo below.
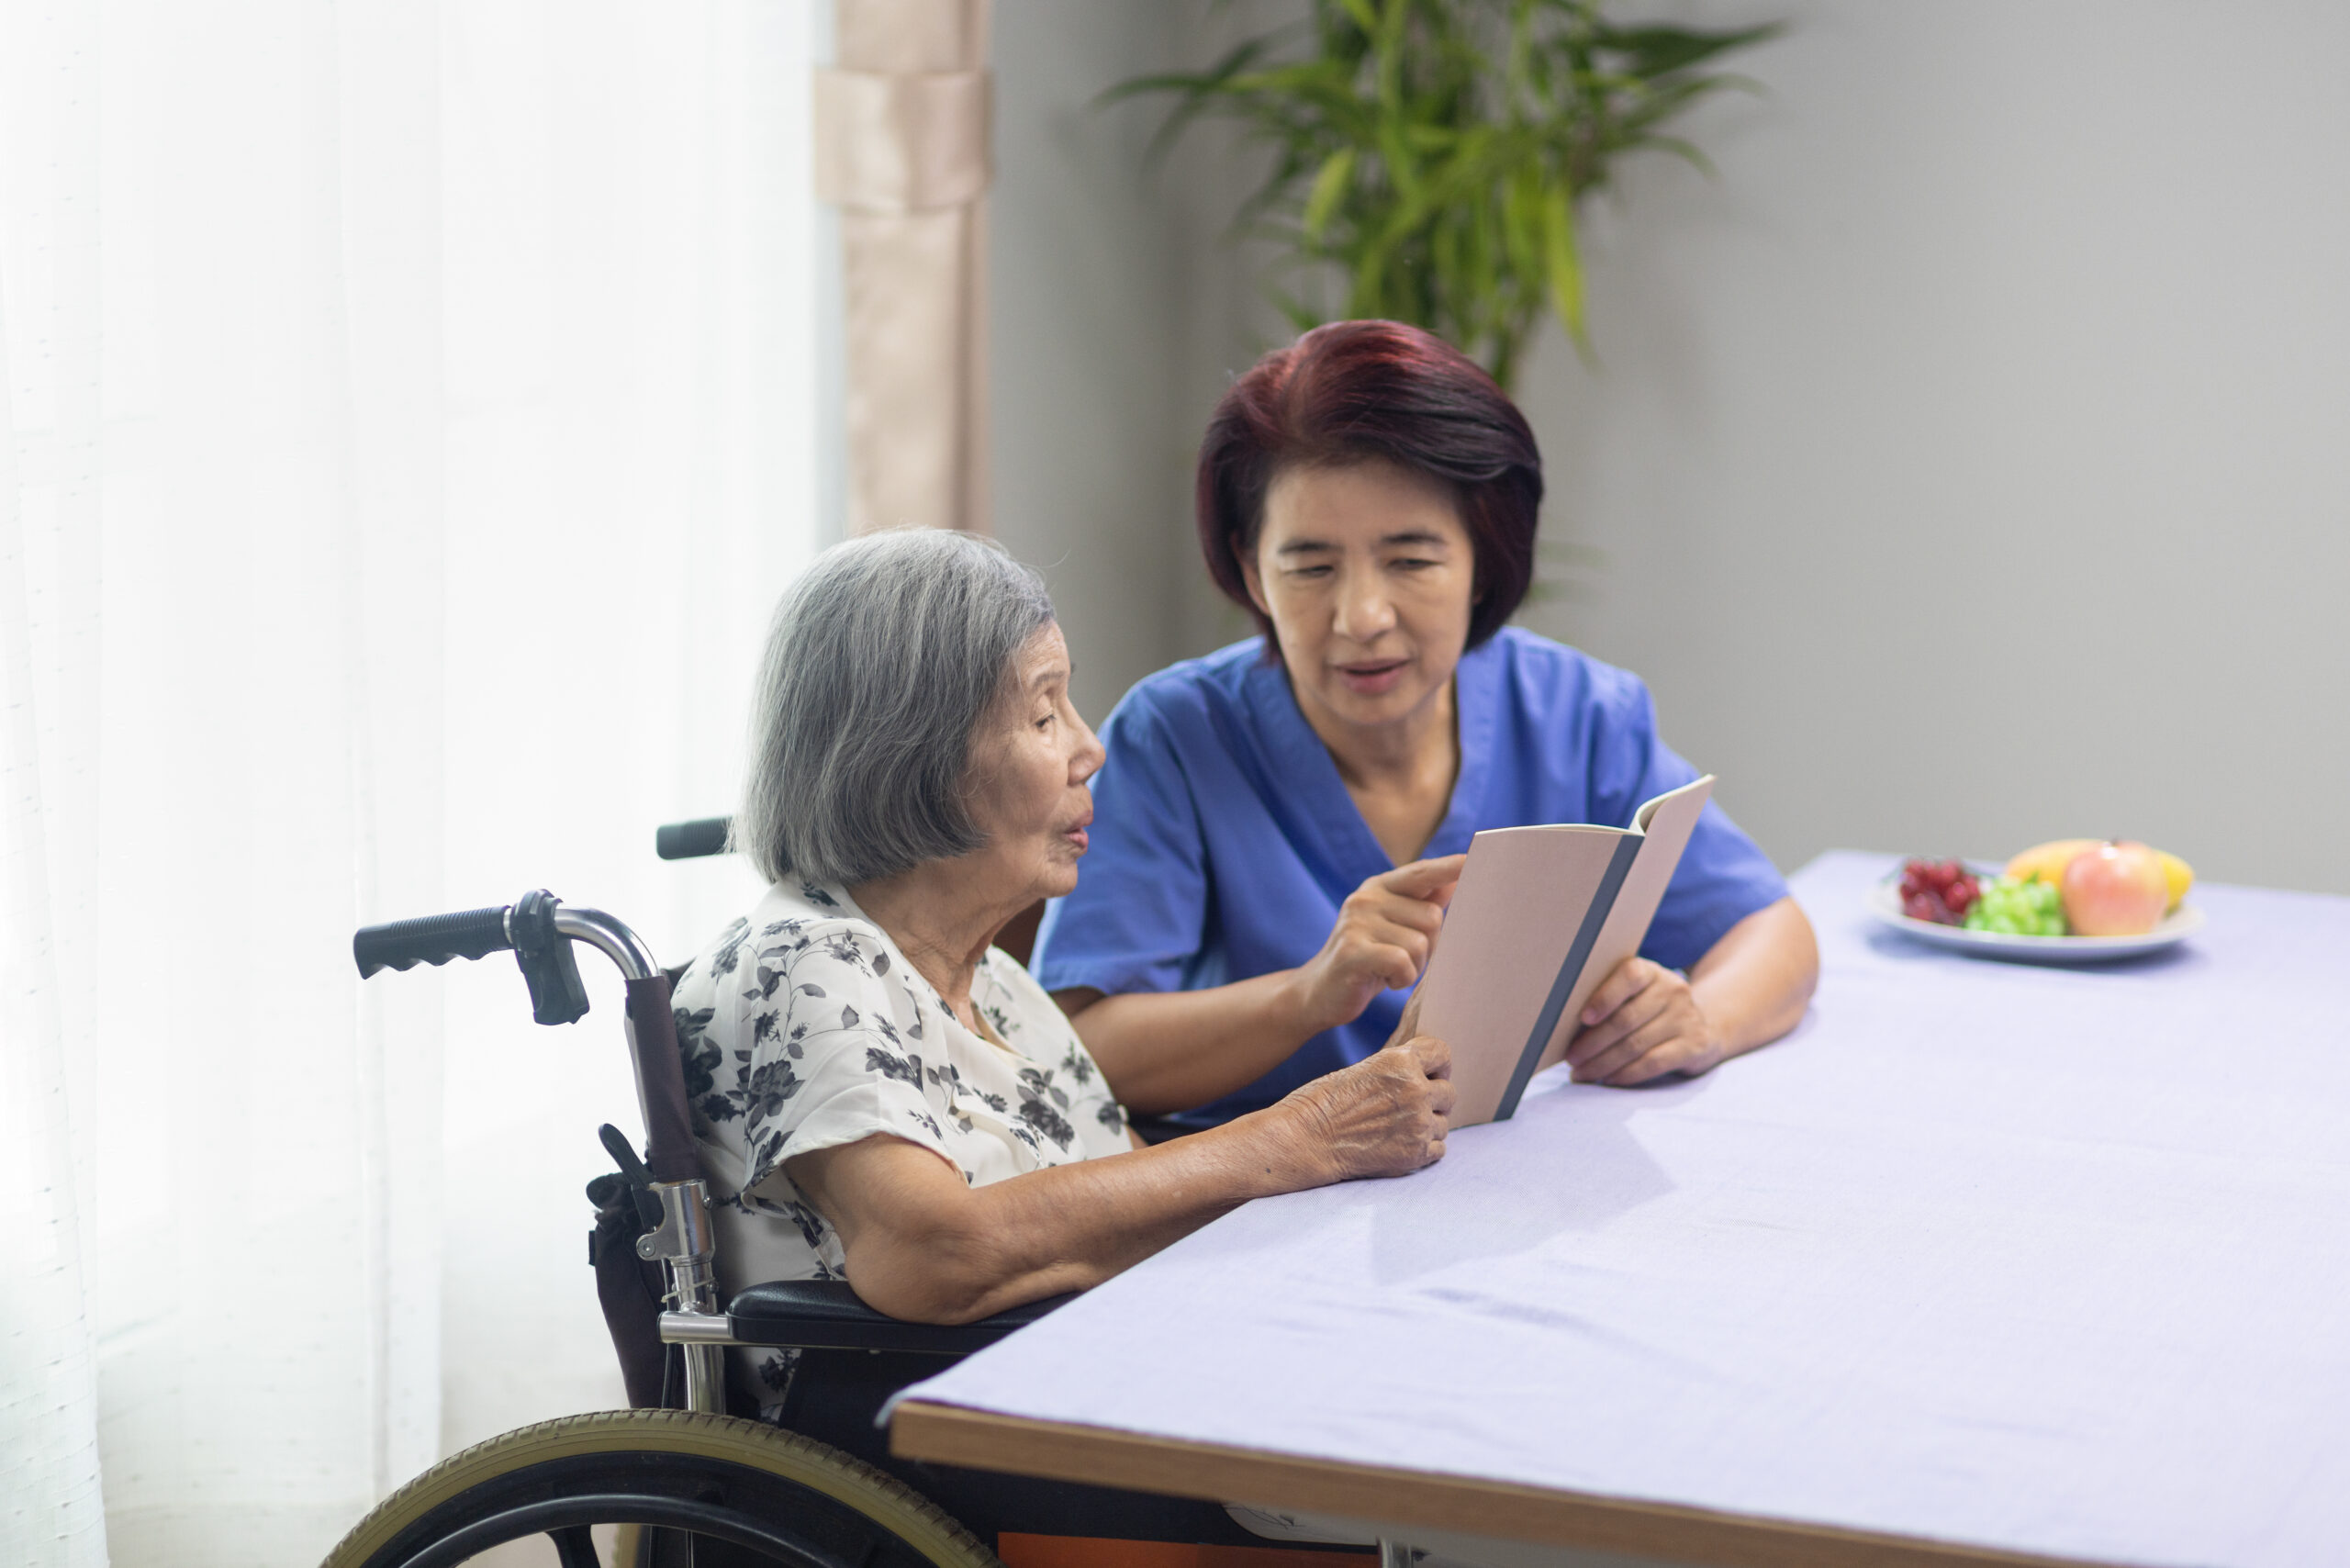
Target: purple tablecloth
(2054, 1261)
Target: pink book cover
(1541, 917)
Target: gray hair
(885, 657)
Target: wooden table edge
(949, 1434)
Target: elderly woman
(880, 1095)
(1283, 822)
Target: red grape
(1939, 892)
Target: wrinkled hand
(1642, 1023)
(1386, 1115)
(1384, 932)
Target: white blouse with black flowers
(803, 1027)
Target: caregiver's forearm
(1164, 1051)
(1754, 983)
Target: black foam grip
(431, 939)
(692, 841)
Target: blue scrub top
(1224, 840)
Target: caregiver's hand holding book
(1539, 961)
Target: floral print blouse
(803, 1027)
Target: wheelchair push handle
(541, 929)
(693, 840)
(431, 939)
(537, 927)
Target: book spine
(1546, 1024)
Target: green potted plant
(1428, 155)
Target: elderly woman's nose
(1091, 753)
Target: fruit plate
(1885, 904)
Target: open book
(1541, 917)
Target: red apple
(2115, 890)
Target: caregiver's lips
(1370, 677)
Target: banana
(2047, 862)
(2181, 875)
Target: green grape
(2009, 908)
(2047, 908)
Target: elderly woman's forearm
(1072, 1226)
(1164, 1051)
(921, 1245)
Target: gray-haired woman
(881, 1095)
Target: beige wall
(1090, 273)
(1969, 466)
(1119, 317)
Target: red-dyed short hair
(1358, 390)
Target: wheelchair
(687, 1477)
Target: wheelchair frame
(518, 1483)
(672, 1195)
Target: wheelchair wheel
(743, 1491)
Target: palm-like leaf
(1430, 154)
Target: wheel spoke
(682, 1490)
(556, 1514)
(574, 1546)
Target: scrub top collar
(1306, 773)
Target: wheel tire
(833, 1507)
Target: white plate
(1885, 902)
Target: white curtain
(408, 414)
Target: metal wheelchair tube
(624, 947)
(651, 1039)
(698, 1328)
(705, 1378)
(683, 1244)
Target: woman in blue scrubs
(1278, 825)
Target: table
(1983, 1263)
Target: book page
(1520, 899)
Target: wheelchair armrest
(825, 1315)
